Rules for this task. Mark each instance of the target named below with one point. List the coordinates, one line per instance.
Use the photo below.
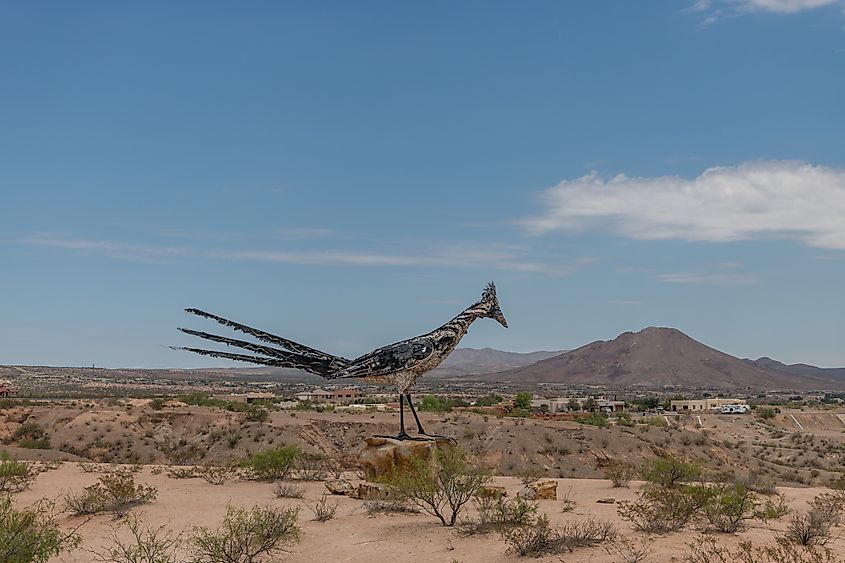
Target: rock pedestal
(380, 455)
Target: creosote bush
(115, 492)
(441, 487)
(375, 507)
(286, 490)
(15, 476)
(705, 549)
(31, 535)
(496, 514)
(620, 473)
(247, 536)
(659, 509)
(668, 471)
(727, 507)
(324, 510)
(147, 545)
(538, 537)
(273, 464)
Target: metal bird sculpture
(399, 364)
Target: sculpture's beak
(501, 318)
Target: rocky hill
(655, 357)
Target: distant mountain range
(657, 357)
(653, 357)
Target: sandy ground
(353, 536)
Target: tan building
(701, 405)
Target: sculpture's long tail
(300, 357)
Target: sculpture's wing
(390, 359)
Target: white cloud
(755, 200)
(709, 278)
(783, 6)
(446, 255)
(111, 249)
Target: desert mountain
(474, 361)
(805, 370)
(656, 357)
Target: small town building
(323, 396)
(701, 405)
(246, 397)
(563, 404)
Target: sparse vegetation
(146, 545)
(324, 510)
(273, 464)
(15, 476)
(115, 492)
(499, 514)
(247, 536)
(620, 473)
(539, 538)
(31, 535)
(440, 488)
(287, 490)
(668, 471)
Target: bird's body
(399, 364)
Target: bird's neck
(460, 324)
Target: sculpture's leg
(402, 434)
(414, 412)
(419, 426)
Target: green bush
(441, 487)
(620, 473)
(247, 536)
(15, 476)
(668, 471)
(115, 492)
(659, 510)
(538, 538)
(496, 514)
(31, 535)
(34, 443)
(522, 400)
(765, 413)
(593, 419)
(727, 507)
(274, 464)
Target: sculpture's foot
(436, 437)
(402, 437)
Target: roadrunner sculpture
(399, 364)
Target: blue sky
(350, 174)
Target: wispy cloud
(303, 232)
(112, 249)
(715, 10)
(718, 278)
(445, 255)
(755, 200)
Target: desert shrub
(628, 550)
(765, 413)
(659, 510)
(388, 506)
(657, 421)
(31, 535)
(440, 488)
(115, 492)
(256, 414)
(310, 467)
(759, 484)
(669, 471)
(216, 474)
(35, 443)
(274, 464)
(773, 508)
(15, 476)
(496, 514)
(593, 419)
(539, 538)
(180, 472)
(324, 510)
(830, 506)
(727, 507)
(157, 403)
(286, 490)
(620, 473)
(810, 528)
(704, 549)
(146, 545)
(247, 536)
